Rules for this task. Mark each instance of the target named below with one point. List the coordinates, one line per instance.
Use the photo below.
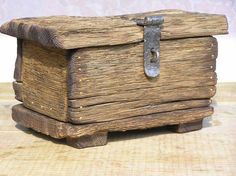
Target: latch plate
(152, 36)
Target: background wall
(10, 9)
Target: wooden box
(81, 77)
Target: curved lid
(70, 32)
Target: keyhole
(154, 55)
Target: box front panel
(108, 83)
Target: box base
(95, 134)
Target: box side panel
(44, 75)
(109, 83)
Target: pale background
(10, 9)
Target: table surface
(210, 151)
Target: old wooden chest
(81, 77)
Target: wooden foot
(187, 127)
(97, 139)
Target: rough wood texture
(122, 110)
(103, 89)
(76, 32)
(109, 83)
(18, 63)
(96, 139)
(17, 86)
(57, 129)
(109, 69)
(44, 77)
(187, 127)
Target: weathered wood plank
(76, 32)
(148, 92)
(57, 129)
(18, 63)
(121, 110)
(17, 86)
(44, 77)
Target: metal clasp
(152, 36)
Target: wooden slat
(122, 110)
(57, 129)
(77, 32)
(109, 83)
(148, 92)
(44, 77)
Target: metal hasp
(152, 36)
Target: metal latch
(152, 36)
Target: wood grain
(112, 67)
(45, 80)
(109, 70)
(108, 83)
(109, 88)
(99, 90)
(189, 86)
(76, 32)
(57, 129)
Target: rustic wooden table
(210, 151)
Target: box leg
(187, 127)
(97, 139)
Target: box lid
(70, 32)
